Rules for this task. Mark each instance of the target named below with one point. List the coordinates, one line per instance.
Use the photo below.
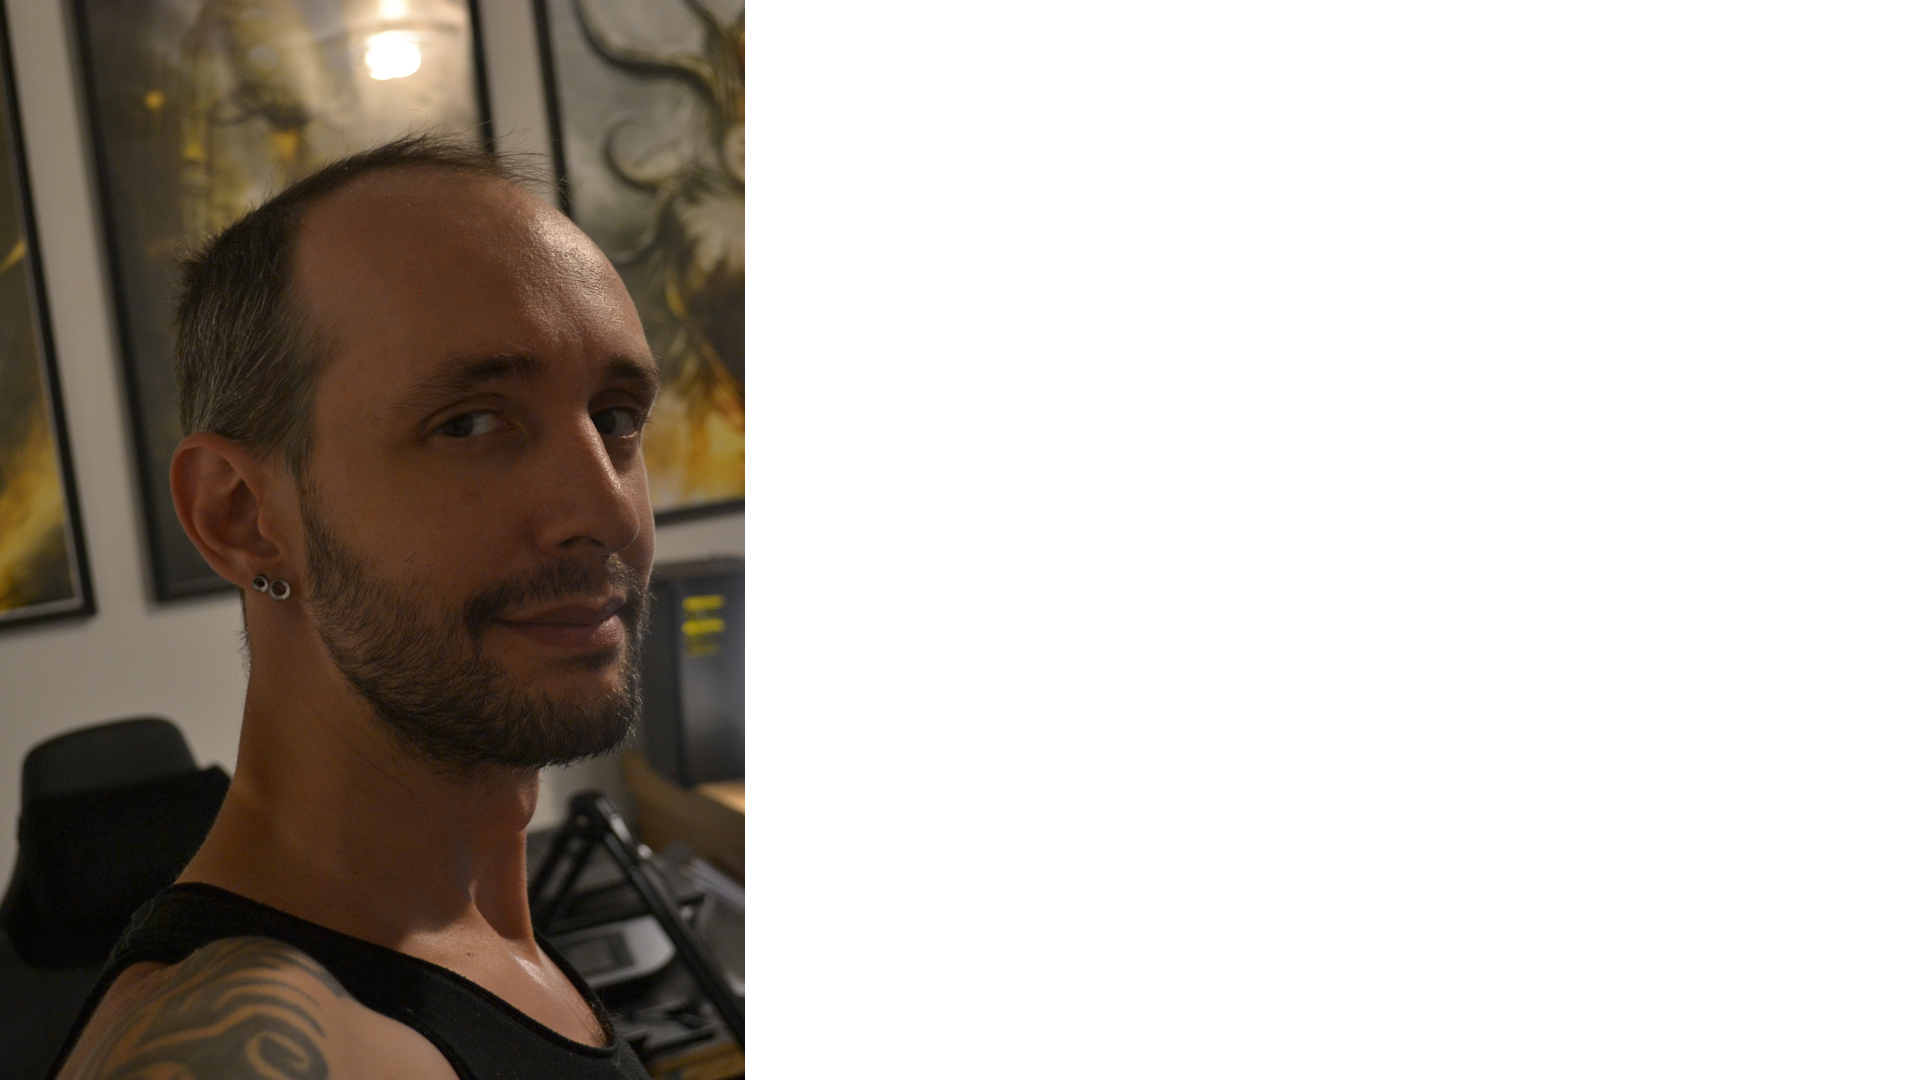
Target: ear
(221, 491)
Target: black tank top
(481, 1035)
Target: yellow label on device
(701, 630)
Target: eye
(618, 423)
(467, 425)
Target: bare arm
(246, 1009)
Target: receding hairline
(299, 305)
(447, 172)
(429, 174)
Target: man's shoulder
(242, 1008)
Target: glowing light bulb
(391, 55)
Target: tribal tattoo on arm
(238, 1009)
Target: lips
(576, 626)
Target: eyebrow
(463, 375)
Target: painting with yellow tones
(43, 570)
(203, 109)
(648, 106)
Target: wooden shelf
(727, 793)
(712, 822)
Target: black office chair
(110, 815)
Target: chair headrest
(89, 859)
(105, 755)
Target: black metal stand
(592, 823)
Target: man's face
(475, 505)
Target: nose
(589, 502)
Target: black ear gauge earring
(276, 588)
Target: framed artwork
(202, 109)
(648, 106)
(43, 564)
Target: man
(414, 394)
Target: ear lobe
(218, 492)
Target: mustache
(561, 580)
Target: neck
(330, 819)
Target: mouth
(574, 627)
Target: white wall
(179, 660)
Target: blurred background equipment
(693, 673)
(110, 815)
(687, 775)
(624, 918)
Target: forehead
(401, 271)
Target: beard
(421, 666)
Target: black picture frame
(165, 179)
(702, 354)
(27, 363)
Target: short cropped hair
(246, 356)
